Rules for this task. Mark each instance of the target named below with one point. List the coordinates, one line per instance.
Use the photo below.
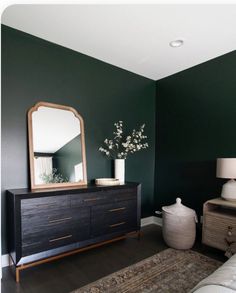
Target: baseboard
(157, 221)
(151, 220)
(144, 222)
(5, 260)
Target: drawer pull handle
(116, 210)
(60, 220)
(118, 224)
(45, 205)
(91, 199)
(60, 238)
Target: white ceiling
(133, 37)
(49, 137)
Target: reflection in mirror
(57, 146)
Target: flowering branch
(120, 147)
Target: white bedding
(214, 289)
(224, 278)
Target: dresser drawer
(39, 230)
(113, 211)
(35, 244)
(115, 217)
(104, 196)
(87, 199)
(37, 205)
(121, 194)
(55, 220)
(217, 228)
(126, 225)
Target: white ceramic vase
(120, 170)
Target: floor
(72, 272)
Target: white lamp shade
(226, 168)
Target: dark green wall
(35, 70)
(65, 159)
(196, 119)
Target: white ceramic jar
(179, 225)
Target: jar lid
(179, 209)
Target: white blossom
(120, 147)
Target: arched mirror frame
(31, 151)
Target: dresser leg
(17, 275)
(139, 234)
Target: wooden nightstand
(219, 223)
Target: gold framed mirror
(56, 146)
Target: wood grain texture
(51, 223)
(43, 228)
(104, 221)
(219, 223)
(44, 204)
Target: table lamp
(226, 168)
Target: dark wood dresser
(48, 224)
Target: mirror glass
(57, 151)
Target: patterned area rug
(171, 270)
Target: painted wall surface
(35, 70)
(65, 159)
(196, 119)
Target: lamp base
(229, 190)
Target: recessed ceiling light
(176, 43)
